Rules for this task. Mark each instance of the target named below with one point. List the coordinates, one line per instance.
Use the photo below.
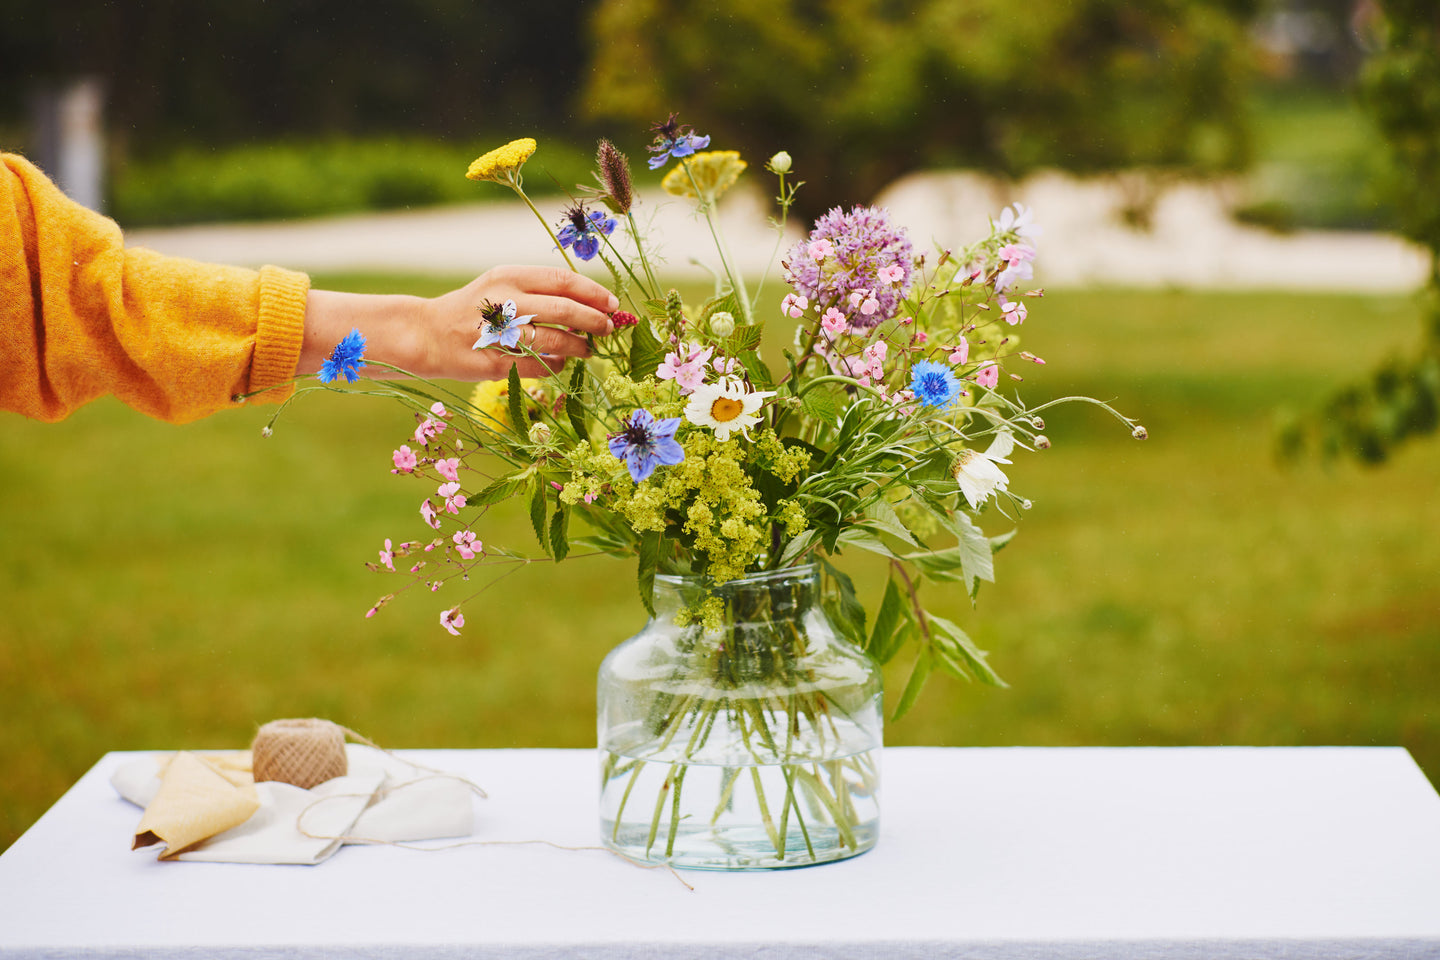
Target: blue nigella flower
(674, 140)
(582, 231)
(645, 443)
(345, 360)
(933, 384)
(500, 325)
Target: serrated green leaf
(517, 405)
(760, 374)
(649, 564)
(537, 511)
(646, 351)
(494, 493)
(574, 409)
(559, 530)
(821, 405)
(745, 339)
(924, 663)
(976, 559)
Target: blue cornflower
(582, 231)
(674, 140)
(933, 384)
(500, 325)
(345, 360)
(645, 443)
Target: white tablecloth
(1028, 852)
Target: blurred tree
(1401, 88)
(861, 91)
(215, 71)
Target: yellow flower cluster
(503, 163)
(714, 172)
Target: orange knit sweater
(81, 316)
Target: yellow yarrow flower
(714, 172)
(502, 165)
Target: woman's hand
(433, 338)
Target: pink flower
(834, 323)
(821, 249)
(452, 620)
(427, 511)
(686, 366)
(387, 556)
(448, 468)
(794, 305)
(428, 430)
(1012, 310)
(454, 499)
(438, 409)
(725, 366)
(404, 460)
(865, 300)
(961, 353)
(891, 274)
(875, 358)
(921, 337)
(988, 376)
(466, 544)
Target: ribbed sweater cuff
(281, 327)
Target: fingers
(555, 282)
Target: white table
(1029, 852)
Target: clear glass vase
(752, 746)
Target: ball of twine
(301, 752)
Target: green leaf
(821, 405)
(745, 339)
(924, 663)
(848, 611)
(956, 644)
(649, 563)
(573, 407)
(537, 511)
(887, 623)
(559, 528)
(857, 536)
(760, 374)
(881, 515)
(494, 493)
(517, 405)
(646, 351)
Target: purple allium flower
(645, 443)
(862, 244)
(933, 384)
(674, 140)
(345, 360)
(582, 231)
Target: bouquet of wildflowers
(885, 426)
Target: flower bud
(539, 433)
(780, 163)
(1026, 504)
(1042, 442)
(722, 323)
(1140, 433)
(1037, 422)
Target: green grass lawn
(166, 587)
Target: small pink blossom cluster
(450, 497)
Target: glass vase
(751, 744)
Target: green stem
(546, 224)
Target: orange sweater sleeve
(82, 316)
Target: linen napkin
(381, 799)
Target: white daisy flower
(725, 406)
(976, 472)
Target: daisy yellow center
(723, 410)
